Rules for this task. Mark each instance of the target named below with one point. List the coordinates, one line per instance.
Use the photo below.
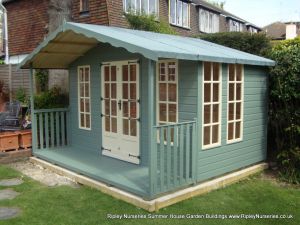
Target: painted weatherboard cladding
(227, 157)
(91, 140)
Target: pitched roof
(275, 30)
(58, 50)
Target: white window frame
(79, 97)
(138, 7)
(234, 140)
(81, 9)
(211, 27)
(235, 26)
(209, 146)
(177, 23)
(157, 91)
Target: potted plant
(9, 141)
(25, 135)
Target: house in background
(150, 119)
(282, 31)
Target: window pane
(231, 92)
(173, 11)
(87, 74)
(133, 110)
(206, 135)
(172, 71)
(207, 93)
(113, 73)
(162, 112)
(206, 114)
(231, 111)
(81, 105)
(133, 127)
(215, 92)
(87, 121)
(87, 105)
(113, 90)
(133, 91)
(87, 90)
(82, 120)
(237, 130)
(185, 17)
(215, 113)
(172, 113)
(179, 13)
(238, 111)
(144, 6)
(216, 71)
(107, 107)
(106, 91)
(81, 90)
(215, 134)
(114, 108)
(153, 6)
(162, 92)
(125, 91)
(132, 72)
(238, 72)
(172, 93)
(231, 72)
(238, 91)
(114, 125)
(230, 131)
(125, 126)
(125, 109)
(207, 71)
(125, 73)
(162, 69)
(107, 124)
(106, 73)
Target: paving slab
(11, 182)
(8, 194)
(9, 212)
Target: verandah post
(151, 111)
(33, 120)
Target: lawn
(67, 205)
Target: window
(84, 97)
(148, 7)
(252, 30)
(235, 26)
(167, 103)
(211, 109)
(179, 13)
(84, 5)
(209, 22)
(235, 102)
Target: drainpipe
(5, 33)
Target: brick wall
(97, 13)
(27, 25)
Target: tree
(217, 3)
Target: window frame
(235, 22)
(81, 9)
(176, 19)
(241, 120)
(135, 11)
(157, 92)
(213, 28)
(79, 98)
(209, 146)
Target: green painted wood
(169, 155)
(57, 128)
(187, 153)
(41, 131)
(181, 151)
(52, 128)
(63, 134)
(194, 152)
(162, 158)
(46, 130)
(33, 116)
(51, 110)
(175, 156)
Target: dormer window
(235, 26)
(209, 22)
(179, 13)
(148, 7)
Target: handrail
(174, 124)
(51, 110)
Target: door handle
(120, 104)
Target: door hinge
(135, 156)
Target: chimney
(291, 31)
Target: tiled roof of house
(275, 30)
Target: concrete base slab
(10, 182)
(161, 202)
(8, 213)
(8, 194)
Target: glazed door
(120, 111)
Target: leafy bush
(257, 44)
(21, 96)
(42, 78)
(54, 98)
(284, 108)
(148, 23)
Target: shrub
(54, 98)
(21, 96)
(42, 78)
(257, 44)
(284, 108)
(148, 23)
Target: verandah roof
(72, 40)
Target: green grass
(84, 205)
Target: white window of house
(211, 108)
(167, 92)
(208, 22)
(149, 7)
(84, 5)
(235, 26)
(235, 103)
(252, 30)
(179, 13)
(84, 97)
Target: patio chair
(9, 119)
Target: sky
(264, 12)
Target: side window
(84, 97)
(84, 5)
(149, 7)
(235, 100)
(179, 13)
(211, 105)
